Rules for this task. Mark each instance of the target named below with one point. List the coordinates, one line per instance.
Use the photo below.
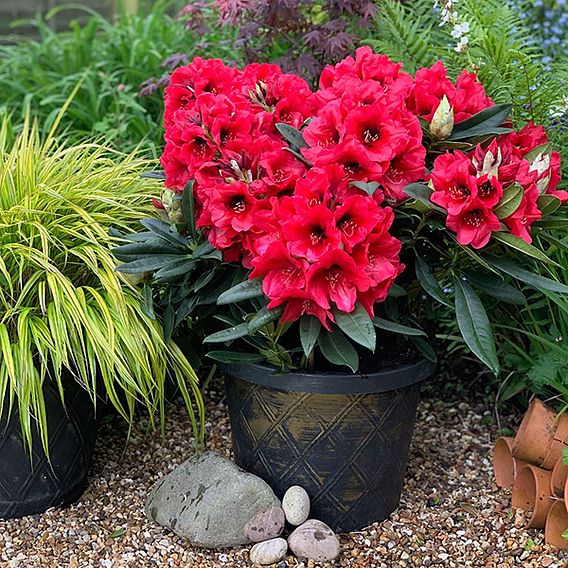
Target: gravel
(452, 514)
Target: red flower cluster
(302, 218)
(470, 186)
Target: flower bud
(171, 200)
(443, 120)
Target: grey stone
(265, 525)
(296, 505)
(269, 551)
(208, 500)
(314, 540)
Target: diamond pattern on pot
(348, 451)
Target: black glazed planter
(342, 437)
(32, 487)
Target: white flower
(461, 47)
(460, 30)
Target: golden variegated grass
(64, 310)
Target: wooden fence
(13, 10)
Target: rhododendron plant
(306, 201)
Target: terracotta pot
(541, 438)
(556, 524)
(531, 492)
(558, 479)
(505, 466)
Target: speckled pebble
(314, 539)
(269, 551)
(265, 525)
(296, 505)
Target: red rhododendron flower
(474, 225)
(279, 270)
(311, 232)
(300, 303)
(336, 278)
(315, 226)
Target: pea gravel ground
(452, 514)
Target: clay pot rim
(533, 472)
(535, 405)
(554, 475)
(503, 462)
(549, 538)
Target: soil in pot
(30, 486)
(342, 437)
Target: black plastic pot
(29, 487)
(343, 437)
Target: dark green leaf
(154, 245)
(474, 325)
(188, 208)
(153, 175)
(169, 320)
(234, 357)
(396, 291)
(337, 349)
(291, 135)
(242, 291)
(185, 309)
(174, 270)
(310, 328)
(522, 246)
(164, 230)
(429, 283)
(147, 303)
(147, 264)
(548, 204)
(510, 201)
(358, 326)
(228, 334)
(496, 288)
(396, 327)
(530, 278)
(421, 192)
(203, 249)
(425, 348)
(368, 187)
(488, 121)
(203, 280)
(262, 318)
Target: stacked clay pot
(531, 463)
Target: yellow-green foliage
(63, 307)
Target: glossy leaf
(228, 334)
(153, 175)
(292, 135)
(474, 324)
(421, 192)
(147, 264)
(368, 187)
(175, 269)
(262, 318)
(164, 230)
(495, 287)
(509, 202)
(234, 357)
(487, 121)
(425, 348)
(188, 208)
(358, 326)
(394, 327)
(337, 349)
(548, 204)
(429, 283)
(527, 277)
(310, 328)
(522, 246)
(242, 291)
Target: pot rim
(392, 378)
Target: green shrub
(112, 60)
(63, 306)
